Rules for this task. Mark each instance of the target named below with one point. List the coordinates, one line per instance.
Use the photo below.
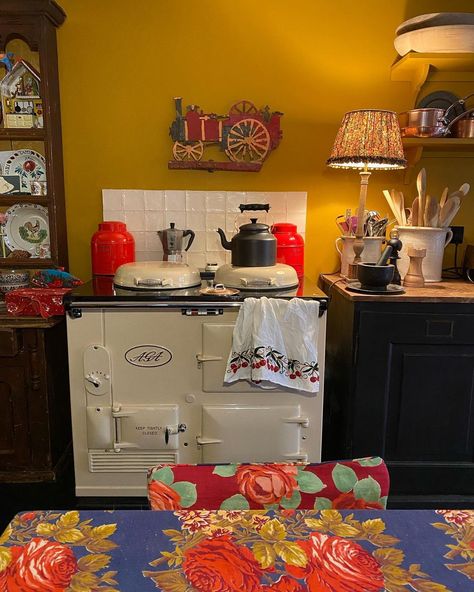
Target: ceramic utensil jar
(434, 240)
(370, 254)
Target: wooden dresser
(35, 427)
(400, 384)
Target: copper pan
(464, 127)
(430, 122)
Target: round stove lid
(157, 275)
(274, 277)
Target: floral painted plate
(27, 228)
(30, 165)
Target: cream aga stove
(146, 376)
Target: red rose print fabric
(356, 484)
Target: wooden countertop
(446, 291)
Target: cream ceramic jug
(434, 240)
(370, 254)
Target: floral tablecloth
(239, 551)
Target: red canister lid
(284, 227)
(113, 226)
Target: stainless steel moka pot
(172, 241)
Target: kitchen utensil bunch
(374, 224)
(426, 210)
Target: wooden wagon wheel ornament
(192, 151)
(248, 140)
(243, 108)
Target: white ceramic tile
(175, 200)
(277, 201)
(199, 242)
(195, 201)
(139, 241)
(153, 242)
(296, 201)
(215, 220)
(259, 197)
(298, 218)
(230, 223)
(135, 220)
(154, 220)
(154, 256)
(215, 201)
(195, 220)
(274, 217)
(114, 216)
(141, 256)
(179, 218)
(112, 199)
(197, 259)
(213, 242)
(154, 200)
(133, 199)
(216, 257)
(234, 199)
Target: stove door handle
(202, 441)
(203, 358)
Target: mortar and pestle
(377, 277)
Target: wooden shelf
(419, 68)
(20, 134)
(414, 149)
(31, 263)
(9, 200)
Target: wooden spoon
(415, 207)
(421, 186)
(395, 211)
(444, 196)
(431, 212)
(449, 210)
(399, 203)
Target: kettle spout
(225, 243)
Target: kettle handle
(191, 235)
(254, 207)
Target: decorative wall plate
(27, 228)
(28, 164)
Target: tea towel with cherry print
(275, 343)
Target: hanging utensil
(421, 187)
(449, 210)
(431, 212)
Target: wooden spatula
(421, 186)
(415, 209)
(431, 212)
(449, 210)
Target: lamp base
(352, 271)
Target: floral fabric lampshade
(368, 139)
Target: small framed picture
(10, 184)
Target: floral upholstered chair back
(354, 484)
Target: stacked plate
(438, 32)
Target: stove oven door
(216, 345)
(251, 433)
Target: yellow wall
(122, 62)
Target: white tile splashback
(146, 211)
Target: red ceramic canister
(290, 246)
(111, 246)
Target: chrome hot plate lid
(274, 277)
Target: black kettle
(253, 246)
